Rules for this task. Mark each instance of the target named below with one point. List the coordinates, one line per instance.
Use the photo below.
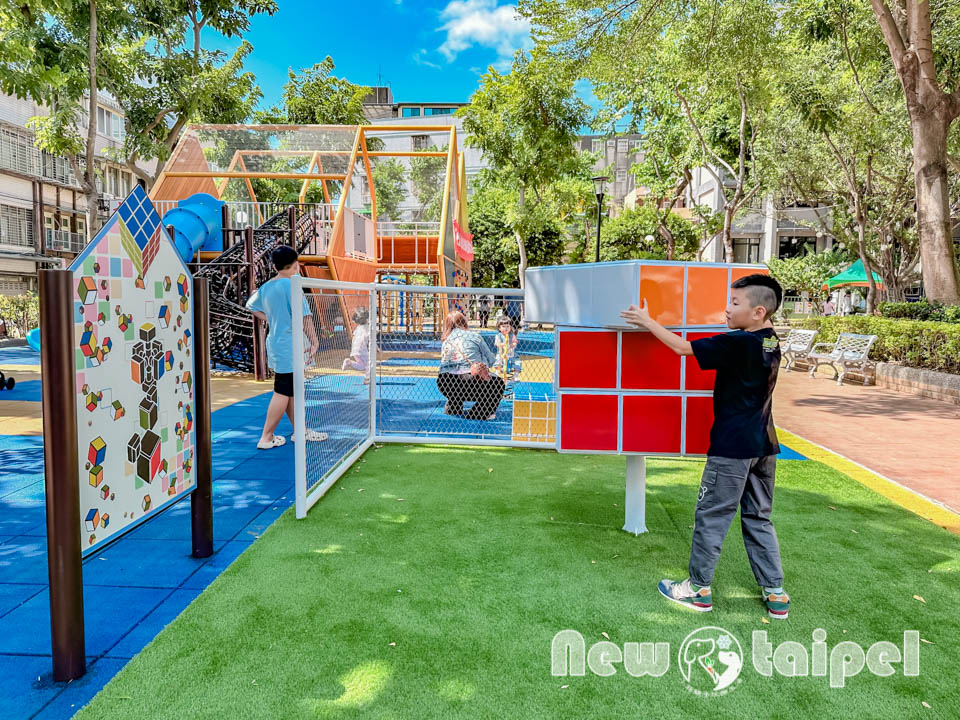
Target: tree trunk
(728, 232)
(89, 179)
(941, 280)
(521, 245)
(868, 268)
(665, 233)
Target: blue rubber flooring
(19, 356)
(137, 585)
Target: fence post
(61, 474)
(201, 503)
(292, 224)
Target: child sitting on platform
(360, 351)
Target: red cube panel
(697, 379)
(588, 360)
(699, 422)
(652, 423)
(647, 364)
(589, 422)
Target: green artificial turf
(430, 582)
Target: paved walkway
(912, 440)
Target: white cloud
(420, 58)
(482, 22)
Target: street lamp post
(598, 190)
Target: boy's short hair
(361, 315)
(762, 290)
(283, 257)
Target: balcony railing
(64, 240)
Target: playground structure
(212, 195)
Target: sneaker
(687, 594)
(778, 604)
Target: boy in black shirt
(742, 458)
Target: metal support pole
(201, 502)
(599, 219)
(62, 474)
(635, 502)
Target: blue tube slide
(197, 224)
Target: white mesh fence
(407, 363)
(332, 386)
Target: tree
(526, 124)
(55, 54)
(660, 61)
(317, 97)
(147, 55)
(635, 234)
(808, 273)
(927, 68)
(496, 260)
(844, 138)
(389, 181)
(166, 79)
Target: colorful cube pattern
(623, 391)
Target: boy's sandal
(312, 436)
(277, 441)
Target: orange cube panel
(588, 359)
(662, 287)
(737, 273)
(707, 295)
(589, 422)
(652, 423)
(699, 422)
(647, 364)
(697, 379)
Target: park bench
(849, 352)
(796, 346)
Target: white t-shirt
(361, 343)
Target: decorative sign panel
(134, 340)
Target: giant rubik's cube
(140, 231)
(620, 390)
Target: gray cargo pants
(726, 484)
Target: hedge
(914, 343)
(922, 310)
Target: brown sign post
(62, 473)
(201, 500)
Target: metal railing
(64, 240)
(421, 233)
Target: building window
(109, 124)
(746, 250)
(638, 146)
(420, 142)
(596, 146)
(439, 111)
(796, 246)
(621, 175)
(611, 145)
(16, 226)
(622, 146)
(410, 112)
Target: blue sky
(425, 50)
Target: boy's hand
(639, 316)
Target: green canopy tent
(853, 276)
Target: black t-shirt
(746, 365)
